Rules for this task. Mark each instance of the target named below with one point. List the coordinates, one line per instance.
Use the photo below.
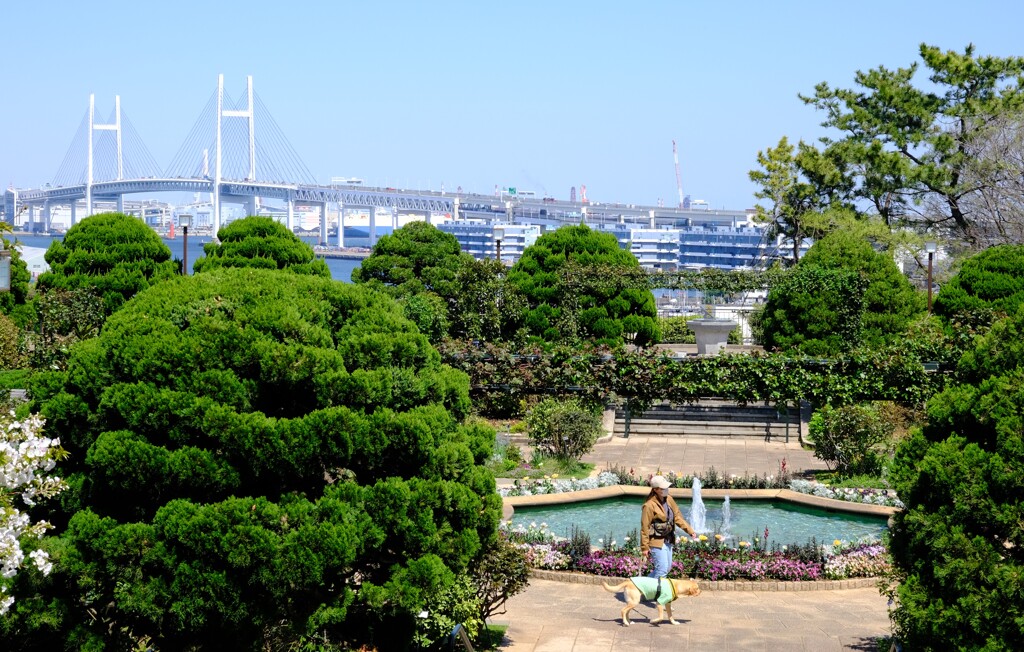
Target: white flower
(42, 561)
(25, 457)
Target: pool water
(787, 523)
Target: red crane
(679, 181)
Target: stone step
(715, 418)
(707, 430)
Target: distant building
(722, 246)
(478, 238)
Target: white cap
(659, 482)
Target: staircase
(712, 418)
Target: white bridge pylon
(222, 113)
(116, 127)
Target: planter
(711, 334)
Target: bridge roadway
(488, 208)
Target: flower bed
(869, 496)
(706, 558)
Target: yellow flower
(837, 542)
(743, 544)
(719, 537)
(554, 475)
(703, 537)
(547, 477)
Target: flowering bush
(552, 485)
(711, 479)
(531, 535)
(858, 560)
(884, 497)
(25, 458)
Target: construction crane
(679, 181)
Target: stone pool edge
(509, 503)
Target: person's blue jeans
(662, 558)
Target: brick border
(718, 585)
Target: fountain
(789, 523)
(698, 513)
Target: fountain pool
(787, 523)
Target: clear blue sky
(541, 95)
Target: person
(658, 521)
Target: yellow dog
(645, 588)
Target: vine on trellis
(501, 380)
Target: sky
(537, 95)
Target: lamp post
(5, 267)
(628, 337)
(499, 235)
(184, 221)
(930, 248)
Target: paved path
(559, 617)
(688, 454)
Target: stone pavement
(558, 617)
(551, 616)
(692, 454)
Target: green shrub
(675, 331)
(565, 429)
(455, 604)
(847, 438)
(553, 312)
(501, 573)
(11, 354)
(987, 284)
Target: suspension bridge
(236, 153)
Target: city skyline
(533, 96)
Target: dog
(634, 595)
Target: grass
(510, 461)
(491, 637)
(536, 469)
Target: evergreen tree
(115, 254)
(957, 546)
(914, 149)
(258, 460)
(260, 242)
(843, 294)
(601, 313)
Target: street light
(930, 248)
(184, 221)
(5, 267)
(499, 234)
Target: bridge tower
(222, 113)
(116, 127)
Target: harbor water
(341, 268)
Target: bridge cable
(188, 161)
(141, 161)
(301, 173)
(72, 169)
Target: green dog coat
(648, 587)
